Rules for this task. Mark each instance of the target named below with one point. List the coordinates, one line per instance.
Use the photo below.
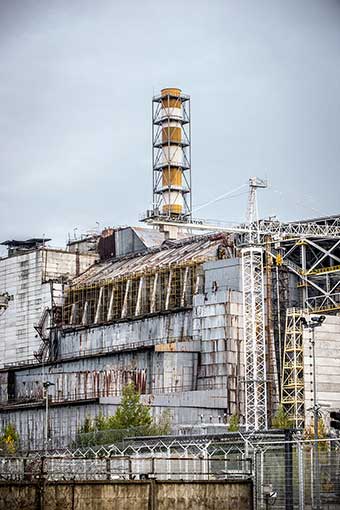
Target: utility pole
(316, 321)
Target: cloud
(76, 85)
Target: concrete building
(33, 276)
(167, 318)
(327, 367)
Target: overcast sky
(76, 82)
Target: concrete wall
(25, 277)
(152, 372)
(222, 275)
(156, 329)
(127, 495)
(189, 407)
(217, 319)
(327, 354)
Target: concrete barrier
(127, 495)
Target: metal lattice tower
(254, 338)
(292, 374)
(253, 317)
(171, 161)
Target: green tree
(132, 418)
(131, 412)
(88, 425)
(234, 423)
(9, 440)
(281, 420)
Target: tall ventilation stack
(171, 155)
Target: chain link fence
(281, 467)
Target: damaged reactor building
(206, 320)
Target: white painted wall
(25, 277)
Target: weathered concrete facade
(195, 373)
(327, 365)
(186, 355)
(26, 276)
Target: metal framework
(277, 230)
(316, 263)
(171, 156)
(254, 338)
(50, 319)
(292, 393)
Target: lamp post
(46, 385)
(314, 322)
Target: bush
(281, 420)
(234, 423)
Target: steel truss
(277, 230)
(292, 392)
(316, 263)
(254, 338)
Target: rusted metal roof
(172, 253)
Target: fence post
(261, 478)
(152, 493)
(288, 470)
(42, 485)
(255, 477)
(300, 455)
(312, 476)
(108, 468)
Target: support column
(139, 296)
(185, 281)
(125, 302)
(85, 318)
(168, 291)
(110, 309)
(154, 294)
(99, 306)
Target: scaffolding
(133, 296)
(292, 392)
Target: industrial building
(205, 320)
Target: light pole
(315, 322)
(46, 385)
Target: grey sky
(76, 81)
